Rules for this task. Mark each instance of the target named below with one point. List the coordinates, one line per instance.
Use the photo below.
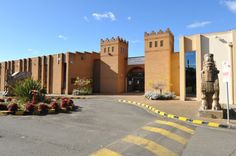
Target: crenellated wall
(113, 64)
(159, 47)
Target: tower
(113, 56)
(159, 47)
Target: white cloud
(62, 37)
(231, 5)
(199, 24)
(135, 41)
(86, 19)
(108, 15)
(129, 18)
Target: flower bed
(55, 106)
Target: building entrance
(135, 80)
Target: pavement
(188, 109)
(106, 127)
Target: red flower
(29, 107)
(3, 107)
(12, 107)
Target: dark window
(156, 43)
(108, 49)
(161, 43)
(150, 44)
(82, 57)
(112, 49)
(190, 73)
(64, 75)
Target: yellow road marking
(105, 152)
(149, 145)
(166, 133)
(175, 125)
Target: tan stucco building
(113, 72)
(192, 50)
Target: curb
(172, 116)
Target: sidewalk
(187, 109)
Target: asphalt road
(106, 127)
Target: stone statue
(12, 79)
(210, 84)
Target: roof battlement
(160, 32)
(114, 39)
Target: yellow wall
(158, 59)
(175, 73)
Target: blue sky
(40, 27)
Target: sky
(30, 28)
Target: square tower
(113, 56)
(158, 49)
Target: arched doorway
(135, 80)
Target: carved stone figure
(210, 84)
(12, 79)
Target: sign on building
(226, 71)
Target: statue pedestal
(215, 114)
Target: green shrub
(157, 96)
(83, 86)
(23, 90)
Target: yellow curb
(171, 116)
(162, 113)
(51, 111)
(213, 124)
(197, 122)
(4, 113)
(20, 113)
(182, 118)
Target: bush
(55, 105)
(12, 107)
(2, 100)
(9, 99)
(30, 108)
(3, 106)
(43, 108)
(65, 103)
(158, 96)
(23, 90)
(83, 86)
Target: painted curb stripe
(105, 152)
(149, 145)
(199, 122)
